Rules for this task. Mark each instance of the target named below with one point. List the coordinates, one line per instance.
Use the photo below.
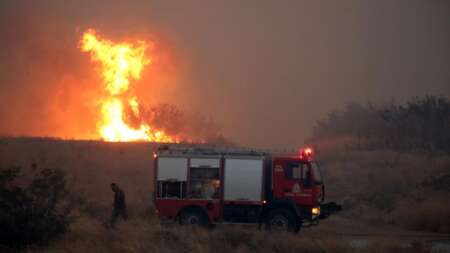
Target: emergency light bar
(306, 153)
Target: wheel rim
(279, 222)
(192, 220)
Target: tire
(282, 220)
(193, 218)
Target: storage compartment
(205, 162)
(172, 169)
(243, 179)
(204, 178)
(171, 189)
(172, 177)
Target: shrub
(32, 212)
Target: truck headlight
(315, 210)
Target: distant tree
(422, 123)
(186, 125)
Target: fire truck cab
(209, 186)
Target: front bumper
(327, 209)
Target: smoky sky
(264, 71)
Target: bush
(32, 212)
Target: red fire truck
(201, 186)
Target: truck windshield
(316, 173)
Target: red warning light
(306, 153)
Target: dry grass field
(92, 165)
(408, 189)
(144, 235)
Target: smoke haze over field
(265, 71)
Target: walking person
(119, 205)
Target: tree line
(422, 123)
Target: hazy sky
(265, 71)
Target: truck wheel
(193, 218)
(282, 220)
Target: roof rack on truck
(195, 150)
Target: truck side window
(292, 171)
(306, 174)
(316, 173)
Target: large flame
(120, 62)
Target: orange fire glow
(120, 62)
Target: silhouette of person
(119, 205)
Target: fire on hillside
(120, 63)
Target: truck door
(292, 179)
(318, 186)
